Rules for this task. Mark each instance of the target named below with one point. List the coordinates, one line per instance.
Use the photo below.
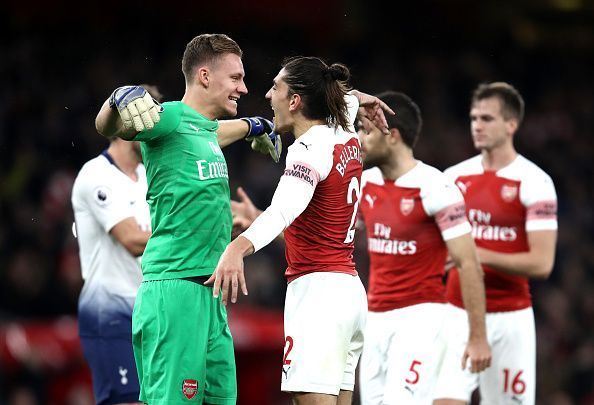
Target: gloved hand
(264, 139)
(137, 108)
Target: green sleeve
(170, 119)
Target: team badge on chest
(407, 205)
(190, 388)
(509, 192)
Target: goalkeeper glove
(137, 108)
(264, 139)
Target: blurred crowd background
(58, 64)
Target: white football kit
(103, 196)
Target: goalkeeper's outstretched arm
(110, 125)
(231, 130)
(129, 110)
(257, 130)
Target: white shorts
(324, 319)
(511, 379)
(402, 354)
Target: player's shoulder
(91, 174)
(466, 167)
(523, 169)
(172, 106)
(372, 176)
(320, 140)
(97, 172)
(435, 188)
(427, 171)
(422, 176)
(173, 113)
(93, 169)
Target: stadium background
(58, 63)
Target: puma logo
(306, 146)
(370, 200)
(463, 186)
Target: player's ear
(294, 102)
(394, 136)
(203, 76)
(512, 126)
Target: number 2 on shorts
(288, 348)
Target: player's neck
(303, 125)
(401, 163)
(498, 158)
(200, 104)
(125, 159)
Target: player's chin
(368, 163)
(279, 127)
(480, 145)
(479, 141)
(231, 108)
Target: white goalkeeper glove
(137, 108)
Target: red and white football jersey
(502, 207)
(316, 201)
(322, 237)
(407, 221)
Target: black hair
(321, 87)
(408, 118)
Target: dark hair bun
(339, 72)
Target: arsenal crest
(509, 192)
(407, 205)
(190, 388)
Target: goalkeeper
(182, 343)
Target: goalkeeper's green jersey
(188, 195)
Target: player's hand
(373, 109)
(137, 108)
(244, 211)
(478, 353)
(263, 138)
(228, 276)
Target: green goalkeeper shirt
(188, 195)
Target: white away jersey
(103, 196)
(407, 222)
(503, 207)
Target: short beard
(368, 163)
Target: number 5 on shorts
(414, 378)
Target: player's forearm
(230, 131)
(135, 243)
(290, 199)
(473, 296)
(109, 124)
(527, 264)
(241, 245)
